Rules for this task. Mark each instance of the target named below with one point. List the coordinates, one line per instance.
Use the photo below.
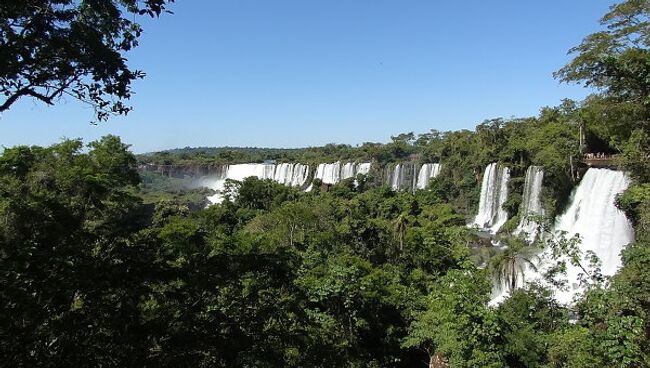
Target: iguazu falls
(325, 184)
(591, 213)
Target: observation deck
(598, 160)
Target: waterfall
(427, 172)
(283, 173)
(406, 176)
(363, 168)
(602, 227)
(401, 176)
(295, 175)
(329, 173)
(335, 172)
(299, 175)
(396, 177)
(531, 204)
(348, 170)
(494, 193)
(240, 172)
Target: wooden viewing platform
(605, 161)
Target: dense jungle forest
(103, 264)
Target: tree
(510, 265)
(616, 60)
(55, 48)
(527, 319)
(457, 328)
(400, 225)
(71, 278)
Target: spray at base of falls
(531, 204)
(602, 227)
(494, 193)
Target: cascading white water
(299, 175)
(348, 170)
(531, 204)
(396, 177)
(240, 172)
(502, 215)
(329, 173)
(295, 175)
(285, 173)
(363, 168)
(603, 228)
(494, 193)
(427, 172)
(335, 172)
(405, 176)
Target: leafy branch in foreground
(52, 49)
(616, 60)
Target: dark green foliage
(456, 322)
(272, 277)
(351, 276)
(528, 318)
(71, 282)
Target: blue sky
(295, 73)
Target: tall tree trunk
(438, 361)
(582, 138)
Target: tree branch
(25, 92)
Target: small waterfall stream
(407, 176)
(427, 172)
(531, 204)
(494, 193)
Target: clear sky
(295, 73)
